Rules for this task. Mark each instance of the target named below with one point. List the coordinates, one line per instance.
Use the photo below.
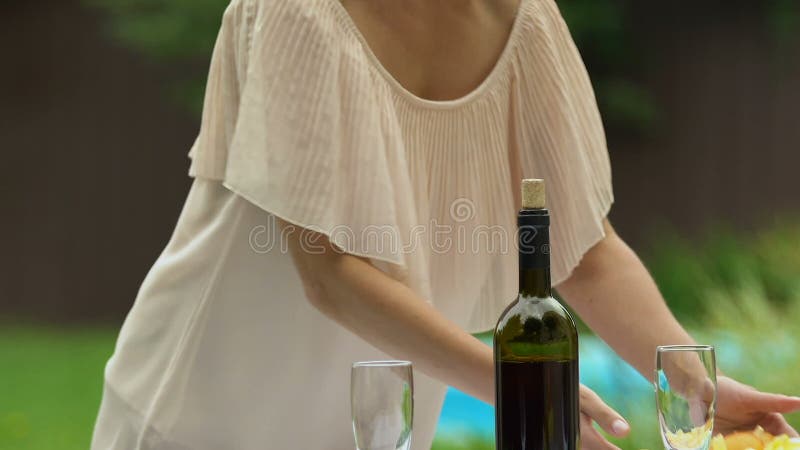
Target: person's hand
(593, 409)
(741, 407)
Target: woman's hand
(613, 292)
(741, 407)
(593, 409)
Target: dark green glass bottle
(536, 347)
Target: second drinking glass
(382, 402)
(686, 395)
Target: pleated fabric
(303, 123)
(302, 120)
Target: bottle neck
(534, 253)
(534, 283)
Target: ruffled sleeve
(307, 142)
(562, 137)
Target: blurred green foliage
(689, 272)
(168, 31)
(603, 32)
(185, 30)
(165, 29)
(783, 17)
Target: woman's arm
(389, 315)
(393, 318)
(616, 296)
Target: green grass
(50, 385)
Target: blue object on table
(601, 369)
(619, 384)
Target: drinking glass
(686, 394)
(382, 404)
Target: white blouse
(221, 350)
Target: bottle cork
(533, 195)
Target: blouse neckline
(497, 69)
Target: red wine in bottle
(536, 347)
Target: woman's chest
(436, 50)
(462, 163)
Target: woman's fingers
(776, 424)
(766, 402)
(591, 439)
(594, 409)
(608, 419)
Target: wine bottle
(536, 347)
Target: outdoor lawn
(740, 294)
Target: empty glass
(686, 394)
(382, 403)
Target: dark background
(95, 167)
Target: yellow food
(782, 442)
(743, 440)
(690, 439)
(757, 439)
(718, 443)
(765, 437)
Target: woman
(347, 151)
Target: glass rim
(690, 347)
(387, 363)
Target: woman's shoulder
(310, 38)
(299, 18)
